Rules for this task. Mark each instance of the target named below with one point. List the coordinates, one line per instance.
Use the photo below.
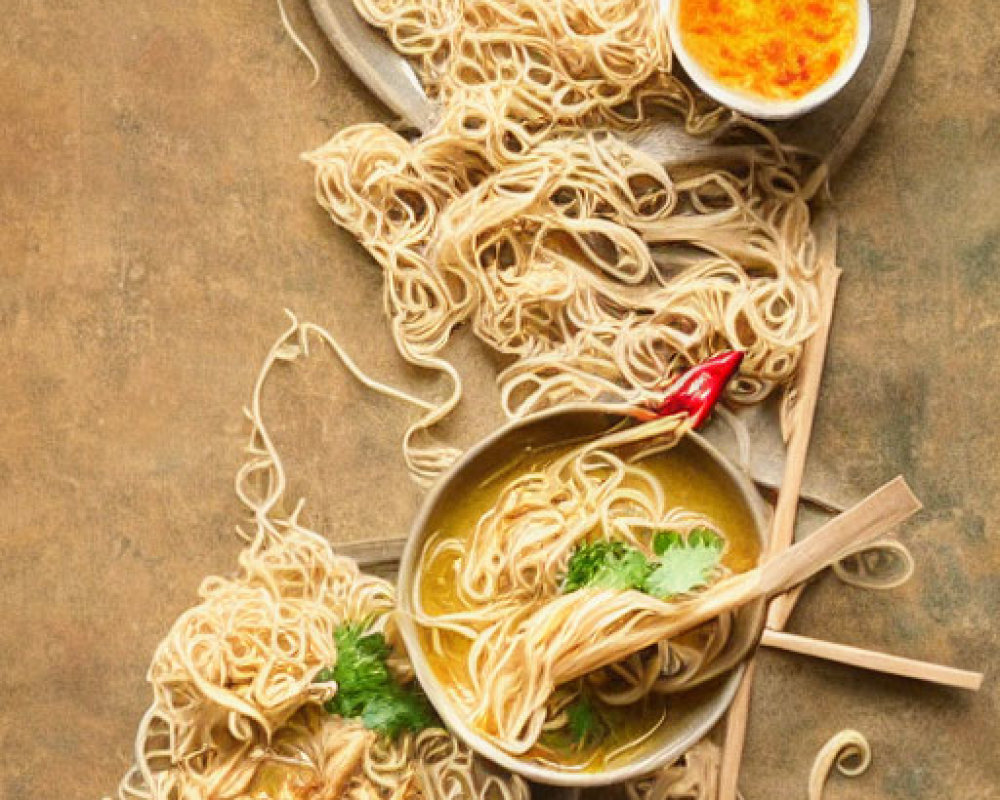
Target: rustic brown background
(155, 219)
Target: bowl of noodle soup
(487, 558)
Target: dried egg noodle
(236, 709)
(579, 62)
(526, 215)
(694, 776)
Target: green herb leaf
(606, 565)
(367, 689)
(685, 564)
(585, 723)
(625, 571)
(665, 540)
(397, 711)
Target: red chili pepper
(697, 389)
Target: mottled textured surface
(155, 219)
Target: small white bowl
(762, 107)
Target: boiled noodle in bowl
(690, 713)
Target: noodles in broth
(498, 623)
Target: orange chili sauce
(778, 49)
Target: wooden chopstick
(873, 660)
(783, 525)
(373, 552)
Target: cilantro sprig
(606, 565)
(367, 689)
(682, 564)
(685, 564)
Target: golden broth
(691, 480)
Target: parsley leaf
(585, 723)
(398, 710)
(685, 564)
(367, 689)
(665, 540)
(606, 565)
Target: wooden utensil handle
(373, 551)
(883, 509)
(873, 660)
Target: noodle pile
(694, 776)
(580, 62)
(524, 213)
(237, 708)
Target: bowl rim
(651, 760)
(763, 108)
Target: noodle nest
(235, 697)
(531, 213)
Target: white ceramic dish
(695, 711)
(760, 107)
